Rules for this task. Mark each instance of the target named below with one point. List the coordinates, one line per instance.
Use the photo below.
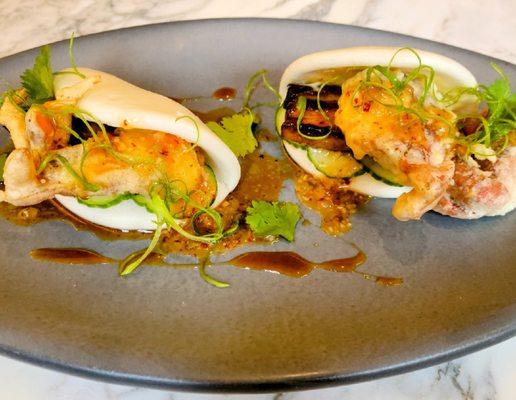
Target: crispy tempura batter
(141, 157)
(13, 118)
(481, 188)
(418, 151)
(129, 160)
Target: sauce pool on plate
(283, 262)
(224, 93)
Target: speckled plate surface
(168, 328)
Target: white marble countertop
(486, 27)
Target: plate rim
(260, 19)
(306, 381)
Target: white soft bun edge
(449, 72)
(364, 183)
(117, 103)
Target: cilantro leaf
(39, 81)
(276, 218)
(500, 88)
(496, 95)
(236, 131)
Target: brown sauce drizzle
(224, 93)
(385, 280)
(292, 264)
(284, 262)
(70, 255)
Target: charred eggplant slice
(315, 129)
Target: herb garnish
(39, 81)
(252, 85)
(3, 158)
(208, 278)
(236, 132)
(493, 131)
(71, 56)
(273, 218)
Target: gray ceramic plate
(168, 328)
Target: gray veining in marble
(29, 23)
